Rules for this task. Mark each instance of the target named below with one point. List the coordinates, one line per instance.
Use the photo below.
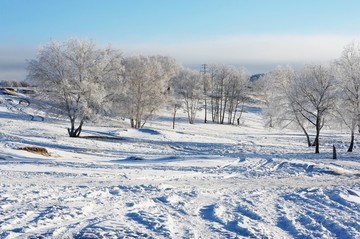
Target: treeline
(220, 90)
(316, 96)
(83, 82)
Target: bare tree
(71, 77)
(348, 66)
(313, 95)
(280, 104)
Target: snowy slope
(197, 181)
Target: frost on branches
(146, 86)
(71, 77)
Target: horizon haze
(258, 35)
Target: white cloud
(258, 53)
(251, 49)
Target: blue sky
(257, 34)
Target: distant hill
(256, 76)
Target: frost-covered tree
(228, 88)
(237, 94)
(348, 75)
(275, 86)
(279, 106)
(313, 95)
(71, 77)
(219, 76)
(187, 85)
(146, 86)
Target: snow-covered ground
(197, 181)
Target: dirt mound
(36, 150)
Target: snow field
(197, 181)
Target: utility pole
(203, 71)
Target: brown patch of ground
(36, 150)
(10, 91)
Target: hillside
(196, 181)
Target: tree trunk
(223, 112)
(138, 124)
(304, 130)
(318, 127)
(317, 148)
(189, 111)
(78, 130)
(230, 114)
(217, 111)
(351, 142)
(313, 143)
(221, 102)
(242, 110)
(205, 101)
(212, 110)
(235, 112)
(174, 117)
(75, 132)
(234, 115)
(132, 123)
(72, 129)
(307, 138)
